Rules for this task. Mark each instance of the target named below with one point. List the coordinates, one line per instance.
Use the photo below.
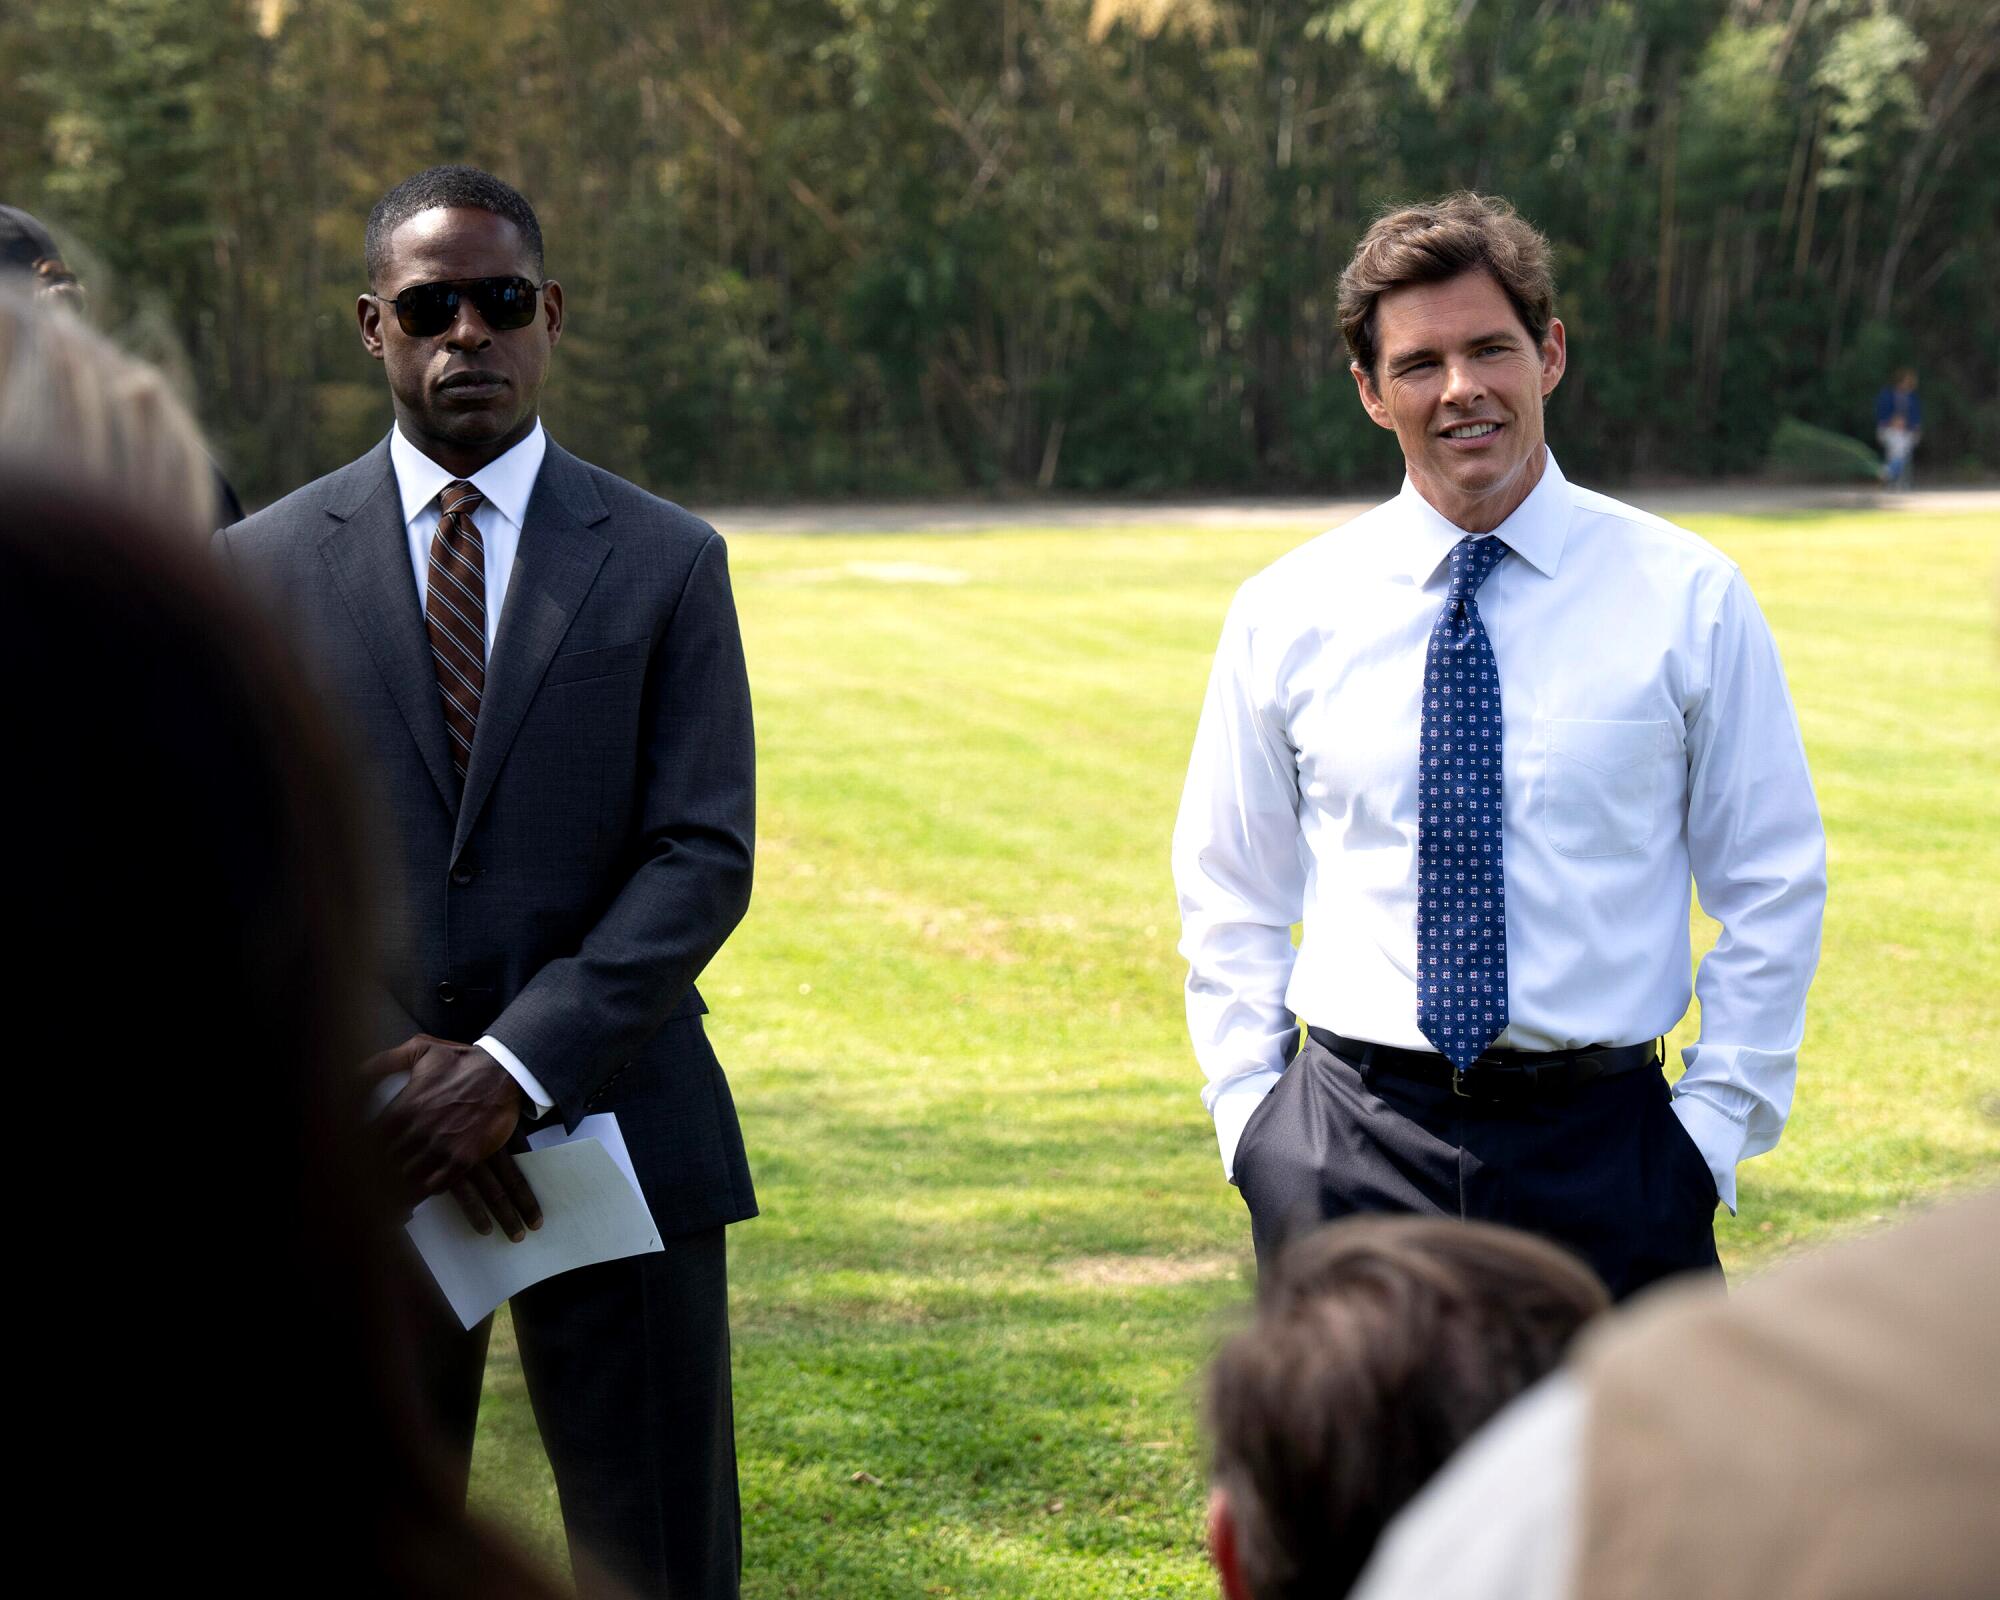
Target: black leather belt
(1499, 1074)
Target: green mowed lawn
(996, 1247)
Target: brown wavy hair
(1380, 1345)
(1436, 241)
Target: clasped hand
(449, 1127)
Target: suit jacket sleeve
(581, 1017)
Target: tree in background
(839, 246)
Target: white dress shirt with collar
(507, 484)
(1648, 744)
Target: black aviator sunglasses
(425, 310)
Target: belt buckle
(1458, 1081)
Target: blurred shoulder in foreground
(1830, 1431)
(201, 1237)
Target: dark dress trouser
(1605, 1168)
(627, 1365)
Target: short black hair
(448, 186)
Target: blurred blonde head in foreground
(74, 406)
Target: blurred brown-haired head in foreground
(204, 1257)
(1380, 1345)
(76, 408)
(1435, 242)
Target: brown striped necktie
(455, 614)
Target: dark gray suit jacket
(601, 851)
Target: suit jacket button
(447, 992)
(464, 873)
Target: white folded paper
(592, 1211)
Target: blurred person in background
(1830, 1432)
(32, 264)
(222, 1393)
(1380, 1344)
(1899, 424)
(74, 406)
(28, 251)
(1482, 742)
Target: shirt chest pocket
(1601, 785)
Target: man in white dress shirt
(1480, 742)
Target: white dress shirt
(1648, 742)
(507, 483)
(1500, 1520)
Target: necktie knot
(459, 496)
(1472, 562)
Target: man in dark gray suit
(541, 667)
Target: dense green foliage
(842, 245)
(996, 1246)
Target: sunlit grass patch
(996, 1247)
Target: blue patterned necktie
(1461, 894)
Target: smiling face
(467, 395)
(1461, 383)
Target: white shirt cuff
(1232, 1104)
(1717, 1137)
(531, 1086)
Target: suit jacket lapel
(368, 550)
(554, 568)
